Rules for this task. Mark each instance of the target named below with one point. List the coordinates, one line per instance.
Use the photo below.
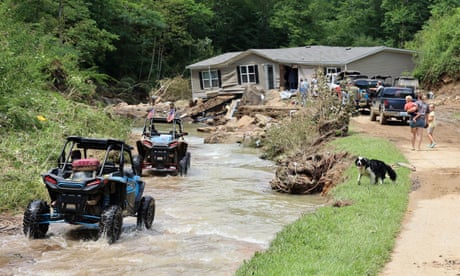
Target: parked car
(343, 77)
(385, 79)
(407, 81)
(95, 184)
(389, 103)
(365, 92)
(349, 75)
(162, 147)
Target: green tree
(71, 22)
(438, 45)
(356, 23)
(337, 23)
(402, 19)
(136, 23)
(32, 61)
(243, 24)
(184, 37)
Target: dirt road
(429, 242)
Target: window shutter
(239, 76)
(256, 68)
(201, 81)
(220, 79)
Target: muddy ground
(429, 242)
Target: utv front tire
(183, 166)
(34, 222)
(189, 158)
(146, 212)
(111, 224)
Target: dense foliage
(135, 44)
(439, 47)
(39, 83)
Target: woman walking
(419, 122)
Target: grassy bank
(352, 240)
(27, 152)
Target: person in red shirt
(411, 108)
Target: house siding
(252, 60)
(307, 72)
(384, 63)
(273, 65)
(229, 77)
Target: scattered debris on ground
(245, 119)
(316, 173)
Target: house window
(332, 70)
(210, 79)
(248, 74)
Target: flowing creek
(206, 223)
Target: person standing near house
(379, 87)
(346, 94)
(353, 94)
(303, 89)
(314, 87)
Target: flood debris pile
(241, 120)
(312, 174)
(315, 169)
(335, 127)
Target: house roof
(308, 55)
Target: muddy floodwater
(206, 223)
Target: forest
(85, 48)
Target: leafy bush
(32, 148)
(439, 47)
(34, 116)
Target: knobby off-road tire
(33, 215)
(111, 224)
(189, 160)
(177, 171)
(183, 166)
(146, 213)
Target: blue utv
(95, 184)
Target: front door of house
(269, 77)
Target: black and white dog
(375, 169)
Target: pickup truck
(389, 103)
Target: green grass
(27, 153)
(351, 240)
